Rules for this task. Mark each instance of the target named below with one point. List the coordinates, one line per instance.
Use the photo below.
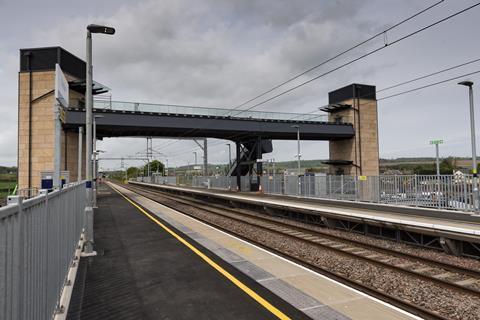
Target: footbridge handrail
(207, 112)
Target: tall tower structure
(36, 113)
(359, 155)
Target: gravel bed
(449, 303)
(421, 252)
(381, 243)
(465, 262)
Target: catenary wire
(397, 94)
(338, 55)
(360, 57)
(428, 85)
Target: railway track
(442, 274)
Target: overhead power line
(417, 79)
(183, 151)
(397, 94)
(428, 85)
(428, 75)
(338, 55)
(358, 58)
(361, 57)
(407, 82)
(392, 27)
(187, 150)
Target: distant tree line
(133, 172)
(8, 170)
(447, 166)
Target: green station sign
(436, 141)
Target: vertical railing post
(439, 204)
(341, 185)
(465, 194)
(356, 187)
(416, 190)
(17, 263)
(395, 187)
(329, 186)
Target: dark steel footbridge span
(252, 131)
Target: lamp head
(466, 83)
(95, 28)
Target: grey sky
(221, 53)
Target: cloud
(221, 53)
(209, 52)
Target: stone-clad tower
(359, 155)
(36, 119)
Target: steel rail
(396, 253)
(309, 233)
(369, 246)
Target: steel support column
(239, 171)
(205, 158)
(259, 161)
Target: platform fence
(159, 179)
(452, 192)
(38, 239)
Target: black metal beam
(122, 124)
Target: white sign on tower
(61, 87)
(61, 103)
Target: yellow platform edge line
(267, 305)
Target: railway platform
(147, 269)
(454, 232)
(156, 263)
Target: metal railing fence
(212, 112)
(38, 239)
(453, 192)
(444, 192)
(27, 193)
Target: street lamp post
(437, 154)
(229, 155)
(298, 156)
(79, 165)
(95, 161)
(92, 28)
(469, 84)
